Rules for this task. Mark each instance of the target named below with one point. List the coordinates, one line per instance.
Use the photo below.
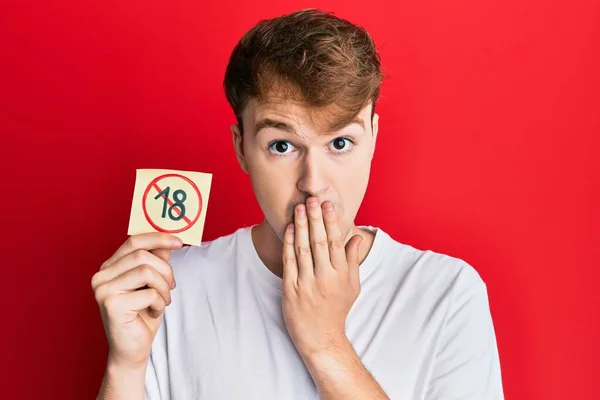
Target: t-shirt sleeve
(466, 362)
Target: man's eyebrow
(271, 123)
(341, 125)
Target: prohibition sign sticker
(172, 202)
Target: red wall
(488, 133)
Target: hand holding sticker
(170, 201)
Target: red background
(489, 125)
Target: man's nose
(313, 177)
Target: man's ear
(375, 127)
(238, 145)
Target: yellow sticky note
(170, 201)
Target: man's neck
(270, 248)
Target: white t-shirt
(421, 325)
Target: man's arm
(340, 374)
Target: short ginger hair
(311, 57)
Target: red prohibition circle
(153, 184)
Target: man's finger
(290, 266)
(144, 241)
(135, 279)
(336, 241)
(131, 261)
(352, 255)
(302, 245)
(318, 236)
(163, 254)
(134, 302)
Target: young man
(304, 305)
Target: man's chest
(243, 351)
(257, 362)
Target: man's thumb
(352, 255)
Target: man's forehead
(294, 113)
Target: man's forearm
(340, 374)
(121, 383)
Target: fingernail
(328, 207)
(173, 284)
(301, 211)
(313, 203)
(291, 228)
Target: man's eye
(281, 147)
(341, 145)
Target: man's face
(289, 159)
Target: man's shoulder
(430, 267)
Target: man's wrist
(339, 349)
(123, 382)
(117, 363)
(339, 373)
